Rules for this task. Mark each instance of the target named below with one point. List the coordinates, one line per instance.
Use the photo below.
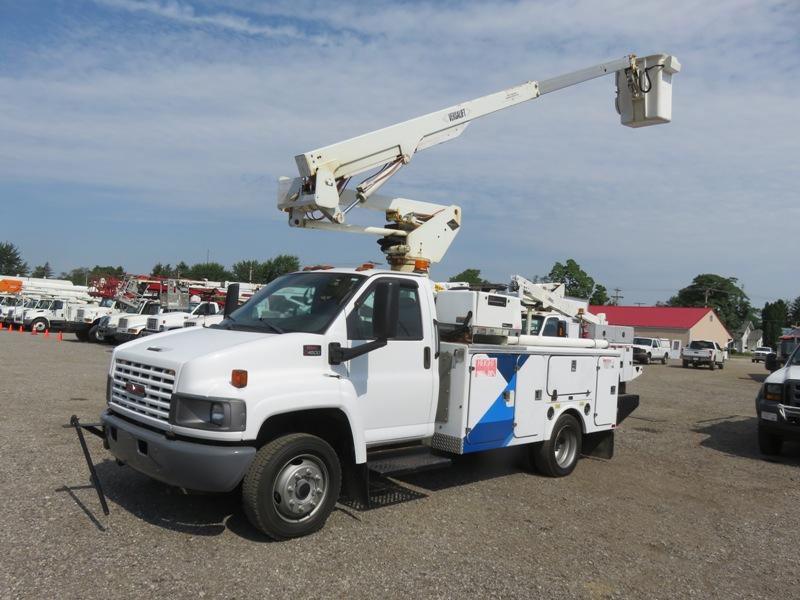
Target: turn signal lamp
(773, 392)
(238, 378)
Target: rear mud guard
(599, 445)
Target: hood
(203, 358)
(784, 374)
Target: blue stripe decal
(495, 429)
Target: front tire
(647, 359)
(769, 443)
(712, 365)
(39, 325)
(558, 456)
(82, 335)
(685, 364)
(94, 335)
(292, 486)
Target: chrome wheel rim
(300, 488)
(566, 447)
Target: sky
(141, 131)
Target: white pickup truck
(778, 406)
(646, 350)
(703, 352)
(176, 319)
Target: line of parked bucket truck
(115, 311)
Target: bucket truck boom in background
(329, 376)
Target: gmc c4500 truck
(311, 385)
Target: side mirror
(386, 310)
(231, 299)
(771, 362)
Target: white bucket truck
(294, 391)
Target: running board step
(404, 461)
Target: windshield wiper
(275, 328)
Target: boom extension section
(419, 233)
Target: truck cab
(176, 319)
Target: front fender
(309, 392)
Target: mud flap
(626, 404)
(598, 445)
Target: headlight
(773, 392)
(214, 414)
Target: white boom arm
(550, 296)
(317, 198)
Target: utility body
(293, 393)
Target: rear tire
(292, 486)
(664, 360)
(721, 365)
(685, 364)
(769, 443)
(558, 456)
(712, 365)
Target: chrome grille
(189, 323)
(152, 323)
(122, 324)
(793, 392)
(158, 385)
(79, 314)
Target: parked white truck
(646, 350)
(778, 406)
(176, 319)
(294, 391)
(703, 353)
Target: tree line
(723, 294)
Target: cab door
(395, 384)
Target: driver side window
(409, 324)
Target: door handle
(426, 357)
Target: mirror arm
(337, 355)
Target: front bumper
(787, 423)
(189, 465)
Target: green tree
(213, 271)
(599, 296)
(160, 270)
(774, 316)
(470, 276)
(577, 282)
(11, 262)
(44, 270)
(794, 313)
(723, 294)
(246, 270)
(280, 265)
(78, 275)
(181, 269)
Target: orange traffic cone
(20, 329)
(60, 336)
(34, 332)
(46, 333)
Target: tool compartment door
(605, 405)
(530, 405)
(571, 377)
(490, 417)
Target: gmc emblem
(137, 389)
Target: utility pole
(616, 297)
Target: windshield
(536, 324)
(701, 345)
(794, 359)
(30, 303)
(107, 303)
(306, 302)
(641, 341)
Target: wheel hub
(565, 447)
(300, 488)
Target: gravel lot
(686, 508)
